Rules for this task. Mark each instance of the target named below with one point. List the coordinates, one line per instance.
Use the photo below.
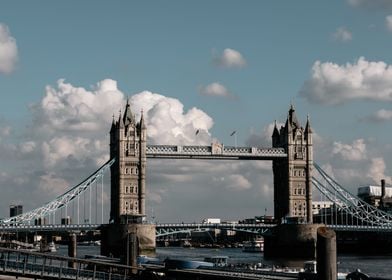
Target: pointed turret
(308, 129)
(275, 136)
(276, 131)
(142, 123)
(112, 128)
(293, 118)
(120, 122)
(128, 117)
(287, 126)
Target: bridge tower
(128, 173)
(127, 235)
(293, 175)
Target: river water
(380, 266)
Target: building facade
(128, 140)
(293, 175)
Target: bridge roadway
(173, 228)
(215, 151)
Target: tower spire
(308, 129)
(128, 117)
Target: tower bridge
(295, 175)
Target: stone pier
(292, 241)
(128, 241)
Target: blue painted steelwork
(60, 201)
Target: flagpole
(234, 133)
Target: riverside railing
(45, 266)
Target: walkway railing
(44, 266)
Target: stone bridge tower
(128, 235)
(128, 189)
(293, 175)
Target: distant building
(211, 221)
(378, 196)
(16, 210)
(318, 206)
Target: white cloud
(388, 22)
(354, 152)
(371, 4)
(264, 139)
(342, 34)
(27, 147)
(236, 182)
(60, 148)
(377, 170)
(69, 108)
(331, 83)
(214, 89)
(51, 185)
(5, 131)
(167, 123)
(230, 59)
(8, 50)
(381, 115)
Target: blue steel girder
(171, 229)
(351, 204)
(59, 202)
(49, 228)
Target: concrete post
(326, 254)
(72, 249)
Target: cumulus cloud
(68, 137)
(331, 83)
(377, 170)
(235, 182)
(342, 34)
(214, 89)
(371, 4)
(60, 148)
(5, 130)
(47, 183)
(230, 58)
(388, 22)
(354, 152)
(168, 123)
(263, 139)
(381, 115)
(74, 109)
(8, 50)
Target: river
(380, 266)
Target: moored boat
(255, 246)
(186, 264)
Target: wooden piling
(326, 254)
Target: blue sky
(240, 63)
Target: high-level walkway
(215, 151)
